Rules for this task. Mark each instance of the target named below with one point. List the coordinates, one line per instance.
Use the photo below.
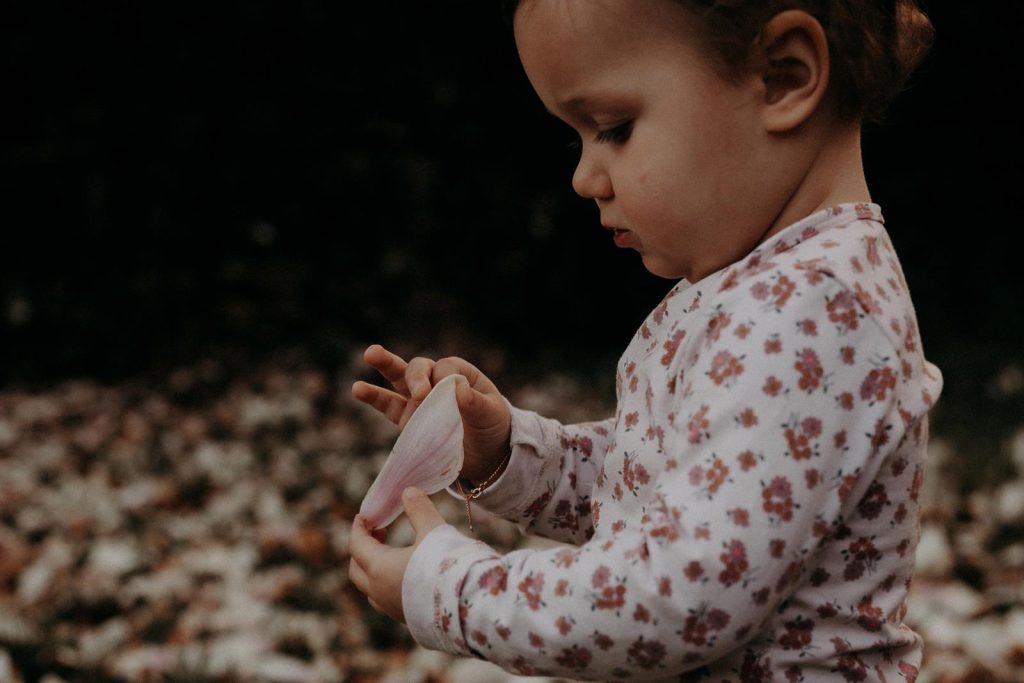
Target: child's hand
(485, 416)
(377, 569)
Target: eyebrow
(575, 102)
(569, 109)
(579, 102)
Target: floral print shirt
(749, 514)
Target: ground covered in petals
(194, 528)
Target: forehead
(575, 50)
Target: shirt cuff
(515, 489)
(432, 588)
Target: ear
(793, 65)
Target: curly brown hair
(874, 45)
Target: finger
(483, 412)
(386, 402)
(358, 577)
(410, 408)
(453, 365)
(361, 545)
(417, 377)
(421, 511)
(389, 365)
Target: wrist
(472, 476)
(479, 480)
(475, 490)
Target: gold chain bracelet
(479, 488)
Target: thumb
(476, 408)
(421, 511)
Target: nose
(590, 179)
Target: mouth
(622, 237)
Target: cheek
(649, 179)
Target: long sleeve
(755, 514)
(545, 489)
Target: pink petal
(428, 455)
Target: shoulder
(833, 301)
(811, 289)
(847, 276)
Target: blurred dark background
(190, 179)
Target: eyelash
(618, 135)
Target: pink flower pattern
(751, 512)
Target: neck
(834, 176)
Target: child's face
(671, 152)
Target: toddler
(750, 513)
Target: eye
(618, 135)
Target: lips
(622, 237)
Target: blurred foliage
(191, 179)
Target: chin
(663, 270)
(666, 274)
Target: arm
(546, 487)
(724, 539)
